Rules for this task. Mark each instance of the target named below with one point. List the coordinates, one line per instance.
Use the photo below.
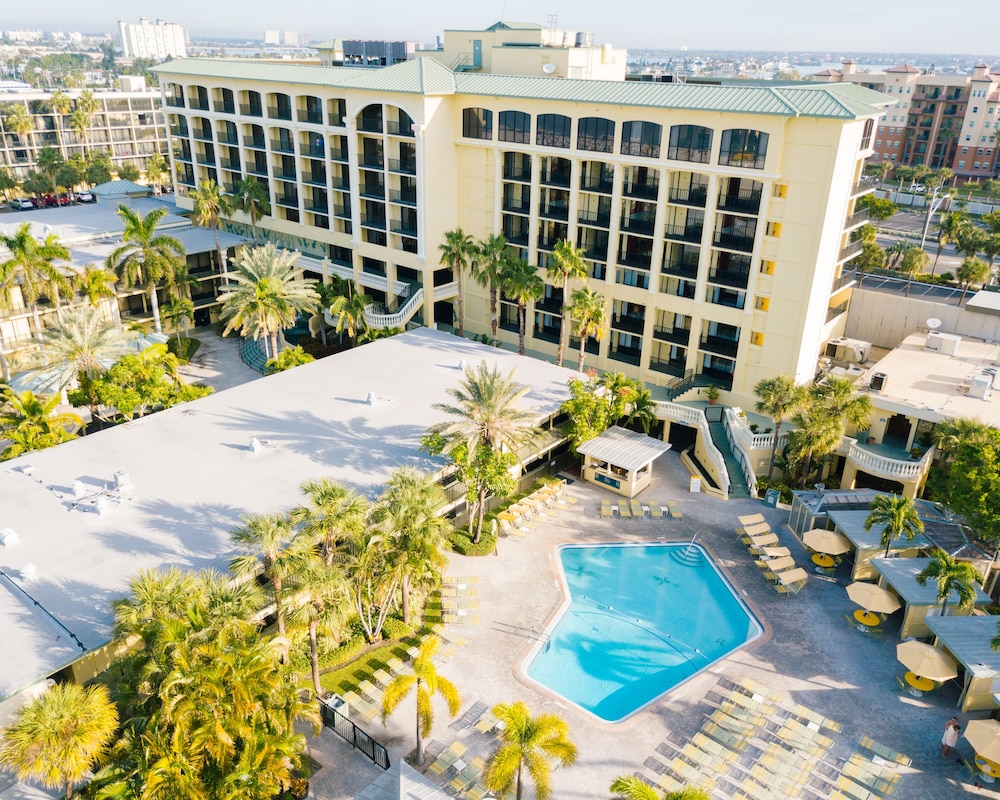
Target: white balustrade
(397, 319)
(446, 290)
(893, 468)
(695, 417)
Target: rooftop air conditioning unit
(9, 537)
(980, 385)
(944, 343)
(878, 381)
(853, 351)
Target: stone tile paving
(809, 653)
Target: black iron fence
(351, 733)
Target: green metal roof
(419, 76)
(514, 26)
(429, 77)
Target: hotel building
(715, 219)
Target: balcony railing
(311, 117)
(206, 160)
(280, 112)
(373, 221)
(318, 208)
(843, 280)
(836, 311)
(597, 218)
(203, 135)
(628, 323)
(745, 201)
(548, 242)
(314, 178)
(856, 219)
(375, 191)
(254, 142)
(647, 190)
(256, 169)
(516, 237)
(287, 200)
(891, 468)
(405, 198)
(401, 129)
(251, 110)
(686, 196)
(627, 355)
(371, 162)
(178, 130)
(601, 184)
(737, 278)
(638, 278)
(283, 146)
(285, 174)
(698, 155)
(406, 166)
(222, 107)
(863, 187)
(675, 368)
(684, 233)
(313, 149)
(720, 345)
(342, 212)
(175, 102)
(555, 179)
(516, 206)
(336, 154)
(230, 164)
(198, 103)
(734, 241)
(851, 250)
(370, 125)
(522, 174)
(682, 267)
(676, 335)
(403, 227)
(558, 211)
(638, 223)
(641, 260)
(228, 138)
(336, 119)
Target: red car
(53, 200)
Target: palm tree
(79, 123)
(407, 515)
(971, 271)
(156, 168)
(426, 682)
(521, 282)
(898, 515)
(325, 610)
(950, 433)
(349, 310)
(57, 738)
(488, 269)
(153, 596)
(587, 310)
(457, 251)
(96, 284)
(250, 197)
(915, 260)
(19, 121)
(485, 415)
(567, 262)
(960, 577)
(631, 787)
(210, 205)
(29, 422)
(30, 267)
(179, 311)
(268, 545)
(333, 515)
(267, 296)
(780, 397)
(816, 434)
(146, 258)
(48, 160)
(87, 105)
(528, 743)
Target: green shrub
(786, 491)
(461, 541)
(395, 628)
(187, 349)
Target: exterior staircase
(737, 484)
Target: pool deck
(809, 654)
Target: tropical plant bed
(317, 349)
(375, 656)
(300, 781)
(188, 347)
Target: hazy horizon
(774, 25)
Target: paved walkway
(809, 653)
(217, 362)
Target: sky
(792, 25)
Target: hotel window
(515, 126)
(553, 130)
(690, 143)
(976, 165)
(641, 139)
(595, 134)
(477, 123)
(743, 148)
(961, 165)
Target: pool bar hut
(868, 546)
(967, 640)
(621, 460)
(920, 603)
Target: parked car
(22, 204)
(84, 197)
(54, 200)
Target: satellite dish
(548, 69)
(933, 323)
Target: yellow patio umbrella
(829, 542)
(926, 661)
(984, 736)
(873, 598)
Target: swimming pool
(640, 620)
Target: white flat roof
(933, 385)
(89, 221)
(624, 448)
(194, 475)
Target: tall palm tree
(971, 270)
(898, 515)
(457, 250)
(528, 744)
(325, 607)
(251, 197)
(96, 284)
(485, 415)
(950, 433)
(587, 310)
(79, 123)
(816, 435)
(266, 295)
(30, 422)
(350, 313)
(19, 121)
(30, 267)
(426, 682)
(57, 738)
(780, 397)
(146, 258)
(266, 542)
(156, 168)
(178, 312)
(333, 515)
(948, 228)
(567, 262)
(522, 284)
(960, 577)
(153, 596)
(488, 269)
(211, 204)
(407, 515)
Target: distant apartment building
(128, 124)
(939, 121)
(22, 36)
(157, 40)
(272, 37)
(715, 220)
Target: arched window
(477, 123)
(743, 148)
(690, 143)
(595, 134)
(553, 130)
(515, 126)
(641, 138)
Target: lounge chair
(382, 678)
(486, 723)
(454, 638)
(623, 510)
(675, 512)
(371, 691)
(444, 761)
(636, 508)
(751, 519)
(654, 510)
(467, 775)
(357, 704)
(396, 666)
(477, 791)
(606, 509)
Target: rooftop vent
(944, 343)
(980, 386)
(29, 572)
(9, 537)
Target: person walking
(950, 737)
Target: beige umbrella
(873, 598)
(984, 736)
(829, 542)
(926, 661)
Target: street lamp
(931, 208)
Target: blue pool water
(641, 620)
